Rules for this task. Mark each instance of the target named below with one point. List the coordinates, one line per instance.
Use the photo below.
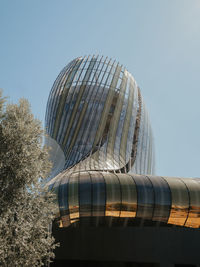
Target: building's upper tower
(96, 119)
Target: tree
(26, 207)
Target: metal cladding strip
(121, 122)
(63, 201)
(143, 141)
(71, 103)
(105, 118)
(145, 197)
(78, 100)
(85, 195)
(102, 129)
(188, 200)
(54, 100)
(130, 144)
(98, 194)
(180, 201)
(73, 197)
(128, 196)
(134, 151)
(70, 100)
(54, 90)
(193, 219)
(76, 130)
(54, 187)
(115, 118)
(140, 135)
(62, 101)
(60, 87)
(87, 118)
(90, 127)
(139, 139)
(149, 152)
(162, 199)
(96, 152)
(123, 141)
(130, 134)
(82, 163)
(83, 134)
(136, 135)
(113, 195)
(56, 93)
(95, 111)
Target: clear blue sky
(158, 41)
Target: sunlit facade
(103, 152)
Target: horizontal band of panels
(128, 197)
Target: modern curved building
(102, 151)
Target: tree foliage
(26, 208)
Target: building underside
(133, 246)
(112, 209)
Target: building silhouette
(103, 174)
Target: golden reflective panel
(73, 198)
(162, 199)
(180, 201)
(85, 195)
(113, 195)
(129, 196)
(193, 219)
(98, 194)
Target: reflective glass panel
(73, 197)
(162, 199)
(145, 196)
(193, 219)
(63, 201)
(85, 194)
(129, 195)
(98, 194)
(180, 201)
(113, 195)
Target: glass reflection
(113, 195)
(180, 201)
(162, 199)
(193, 219)
(129, 196)
(98, 194)
(85, 194)
(73, 198)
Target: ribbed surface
(96, 115)
(103, 152)
(127, 197)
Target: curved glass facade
(96, 116)
(103, 152)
